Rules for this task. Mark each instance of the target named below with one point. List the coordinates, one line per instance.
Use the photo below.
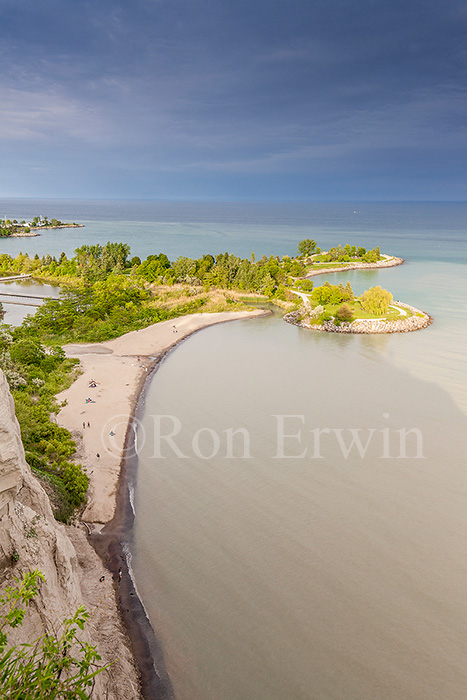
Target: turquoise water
(421, 231)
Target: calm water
(430, 231)
(16, 313)
(309, 577)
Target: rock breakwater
(388, 261)
(407, 324)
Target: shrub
(51, 666)
(27, 352)
(76, 483)
(344, 313)
(14, 379)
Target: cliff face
(71, 567)
(10, 450)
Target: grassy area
(393, 314)
(329, 265)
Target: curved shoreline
(42, 228)
(110, 533)
(33, 231)
(368, 326)
(390, 261)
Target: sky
(310, 100)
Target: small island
(12, 228)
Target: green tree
(184, 269)
(305, 285)
(306, 247)
(376, 300)
(322, 294)
(348, 292)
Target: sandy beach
(98, 416)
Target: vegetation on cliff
(54, 666)
(35, 374)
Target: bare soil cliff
(30, 534)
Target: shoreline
(366, 326)
(33, 231)
(389, 261)
(42, 228)
(110, 529)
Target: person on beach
(98, 455)
(89, 424)
(119, 575)
(84, 425)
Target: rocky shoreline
(417, 322)
(389, 261)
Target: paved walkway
(402, 312)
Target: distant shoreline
(41, 228)
(34, 229)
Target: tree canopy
(376, 300)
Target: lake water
(293, 570)
(289, 565)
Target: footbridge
(15, 278)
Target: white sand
(114, 366)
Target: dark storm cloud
(326, 93)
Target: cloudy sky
(234, 99)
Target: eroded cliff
(73, 571)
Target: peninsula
(12, 228)
(335, 309)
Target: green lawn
(392, 314)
